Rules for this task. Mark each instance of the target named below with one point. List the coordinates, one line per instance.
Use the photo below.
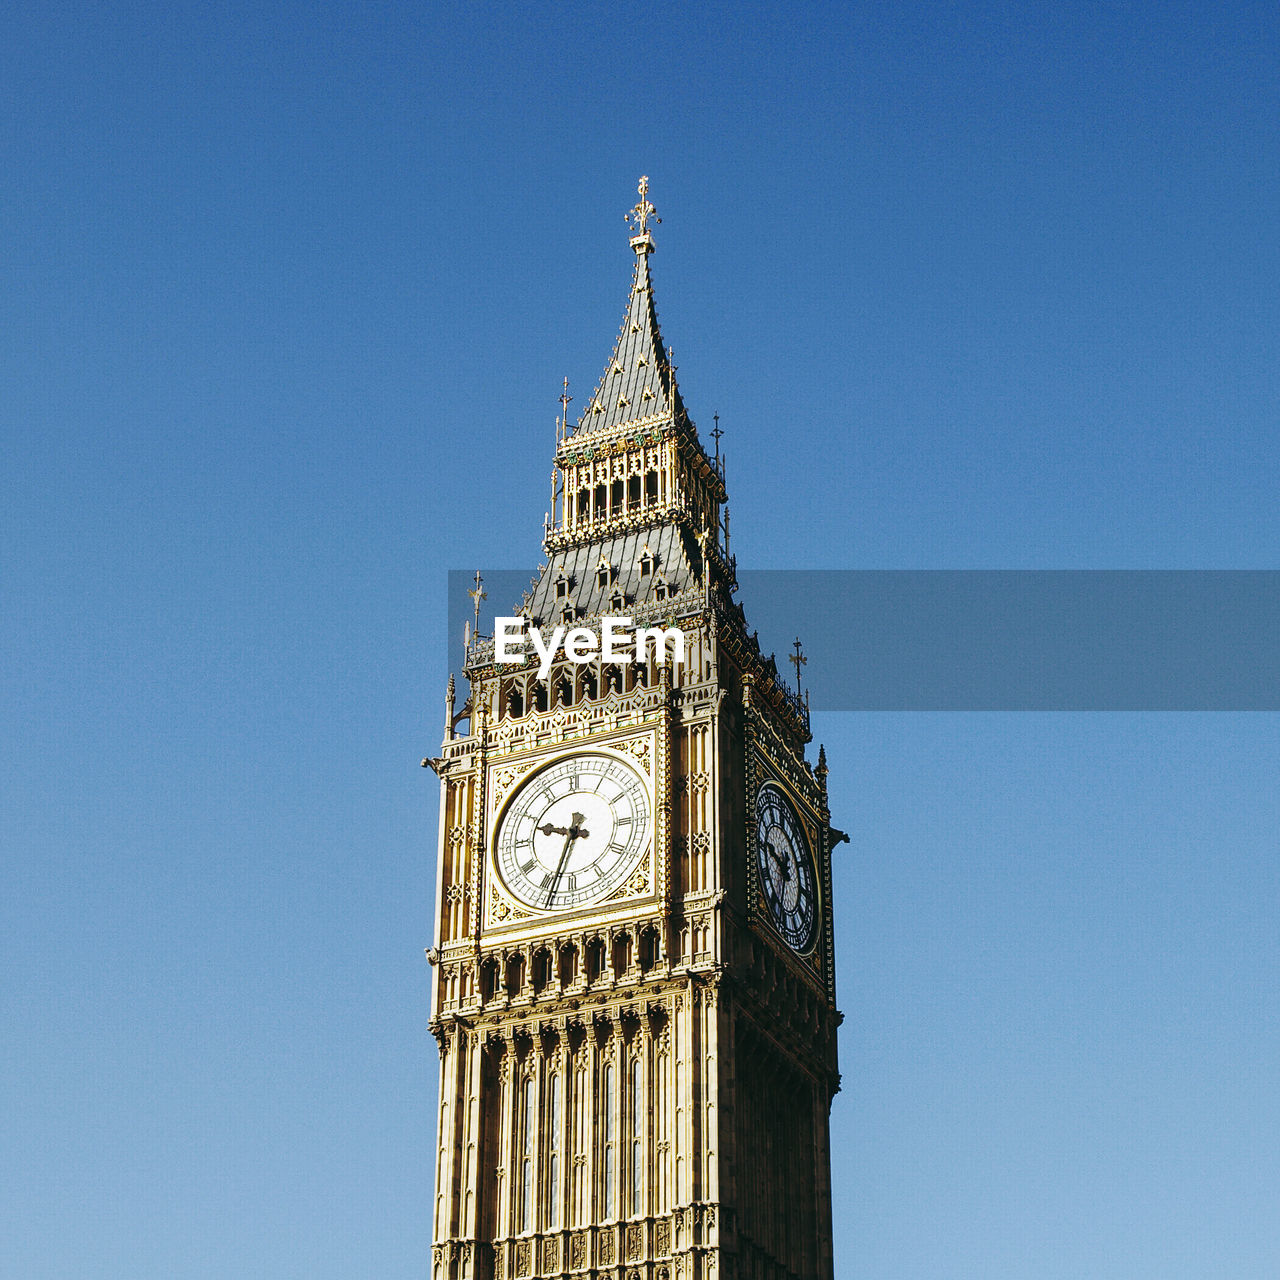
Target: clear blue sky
(288, 292)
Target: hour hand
(574, 831)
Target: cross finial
(798, 660)
(477, 593)
(640, 216)
(716, 434)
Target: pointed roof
(638, 384)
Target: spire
(639, 382)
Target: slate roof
(677, 568)
(638, 382)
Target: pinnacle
(638, 385)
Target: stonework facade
(637, 1031)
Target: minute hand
(570, 836)
(779, 859)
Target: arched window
(568, 964)
(595, 959)
(608, 1164)
(489, 979)
(637, 1146)
(578, 1103)
(541, 970)
(524, 1205)
(553, 1149)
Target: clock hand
(547, 829)
(779, 859)
(570, 835)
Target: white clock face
(574, 832)
(786, 869)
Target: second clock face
(786, 869)
(574, 832)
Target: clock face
(786, 869)
(574, 832)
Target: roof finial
(715, 435)
(563, 424)
(639, 217)
(798, 660)
(478, 593)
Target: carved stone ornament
(524, 1258)
(606, 1247)
(502, 781)
(578, 1251)
(635, 1243)
(662, 1238)
(639, 748)
(639, 885)
(501, 909)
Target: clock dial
(786, 869)
(574, 832)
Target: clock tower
(634, 981)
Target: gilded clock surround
(638, 1087)
(635, 753)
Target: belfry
(634, 978)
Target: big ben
(633, 971)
